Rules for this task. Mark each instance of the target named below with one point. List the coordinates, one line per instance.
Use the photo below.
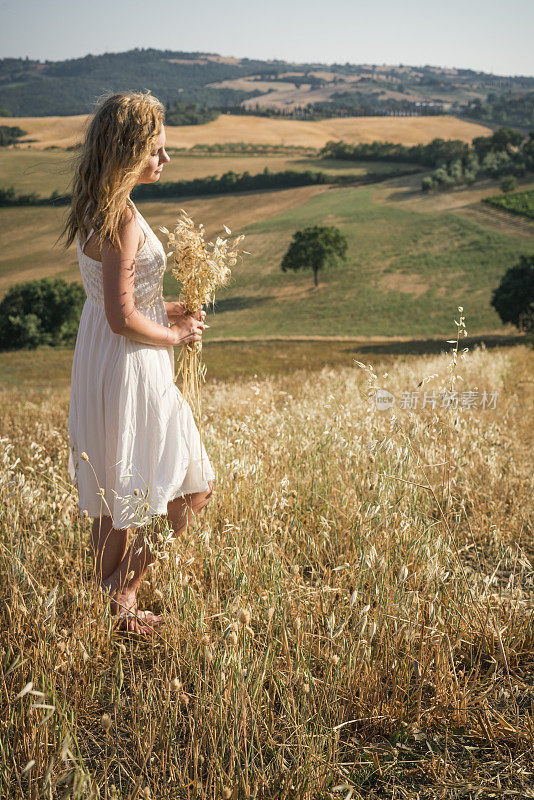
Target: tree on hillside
(316, 248)
(40, 312)
(513, 299)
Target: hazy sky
(487, 35)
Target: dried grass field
(350, 617)
(45, 132)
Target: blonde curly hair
(118, 141)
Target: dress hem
(153, 513)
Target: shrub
(43, 312)
(513, 299)
(10, 134)
(508, 184)
(427, 184)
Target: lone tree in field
(315, 248)
(513, 299)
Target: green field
(406, 273)
(411, 261)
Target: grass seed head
(403, 573)
(244, 616)
(232, 638)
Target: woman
(136, 453)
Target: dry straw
(200, 268)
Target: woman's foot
(124, 608)
(128, 622)
(148, 617)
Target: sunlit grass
(353, 609)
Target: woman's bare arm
(118, 267)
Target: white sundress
(126, 413)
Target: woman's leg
(181, 511)
(138, 556)
(108, 547)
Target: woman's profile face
(158, 157)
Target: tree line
(229, 182)
(509, 109)
(179, 113)
(427, 155)
(507, 152)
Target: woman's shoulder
(129, 223)
(129, 215)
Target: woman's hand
(176, 311)
(188, 329)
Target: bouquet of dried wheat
(200, 268)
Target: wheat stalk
(200, 268)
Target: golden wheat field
(350, 617)
(67, 131)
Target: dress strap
(140, 219)
(82, 244)
(143, 224)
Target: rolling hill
(70, 87)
